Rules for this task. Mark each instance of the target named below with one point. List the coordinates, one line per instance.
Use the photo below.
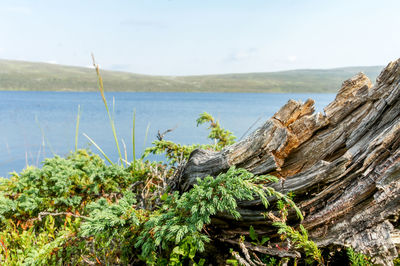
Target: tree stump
(343, 166)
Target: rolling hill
(20, 75)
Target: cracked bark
(343, 166)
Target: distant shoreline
(205, 92)
(32, 76)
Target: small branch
(246, 252)
(258, 261)
(137, 183)
(160, 136)
(88, 261)
(43, 214)
(266, 250)
(240, 259)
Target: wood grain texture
(343, 166)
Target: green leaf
(192, 252)
(164, 196)
(232, 261)
(264, 240)
(201, 262)
(253, 234)
(177, 250)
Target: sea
(36, 125)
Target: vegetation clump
(79, 210)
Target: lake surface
(35, 125)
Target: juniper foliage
(183, 217)
(358, 259)
(221, 136)
(176, 153)
(300, 239)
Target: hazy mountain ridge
(20, 75)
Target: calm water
(36, 124)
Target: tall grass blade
(77, 128)
(146, 135)
(133, 136)
(8, 148)
(101, 88)
(39, 151)
(125, 152)
(127, 163)
(44, 137)
(44, 148)
(26, 159)
(252, 125)
(113, 109)
(97, 146)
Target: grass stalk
(125, 151)
(39, 151)
(146, 135)
(133, 136)
(101, 88)
(77, 128)
(113, 109)
(44, 138)
(100, 150)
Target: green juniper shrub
(68, 191)
(396, 261)
(301, 241)
(221, 136)
(358, 259)
(176, 153)
(80, 210)
(183, 217)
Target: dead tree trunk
(343, 166)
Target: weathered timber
(343, 166)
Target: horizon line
(192, 75)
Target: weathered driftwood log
(343, 166)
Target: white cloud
(242, 55)
(52, 62)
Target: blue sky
(188, 37)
